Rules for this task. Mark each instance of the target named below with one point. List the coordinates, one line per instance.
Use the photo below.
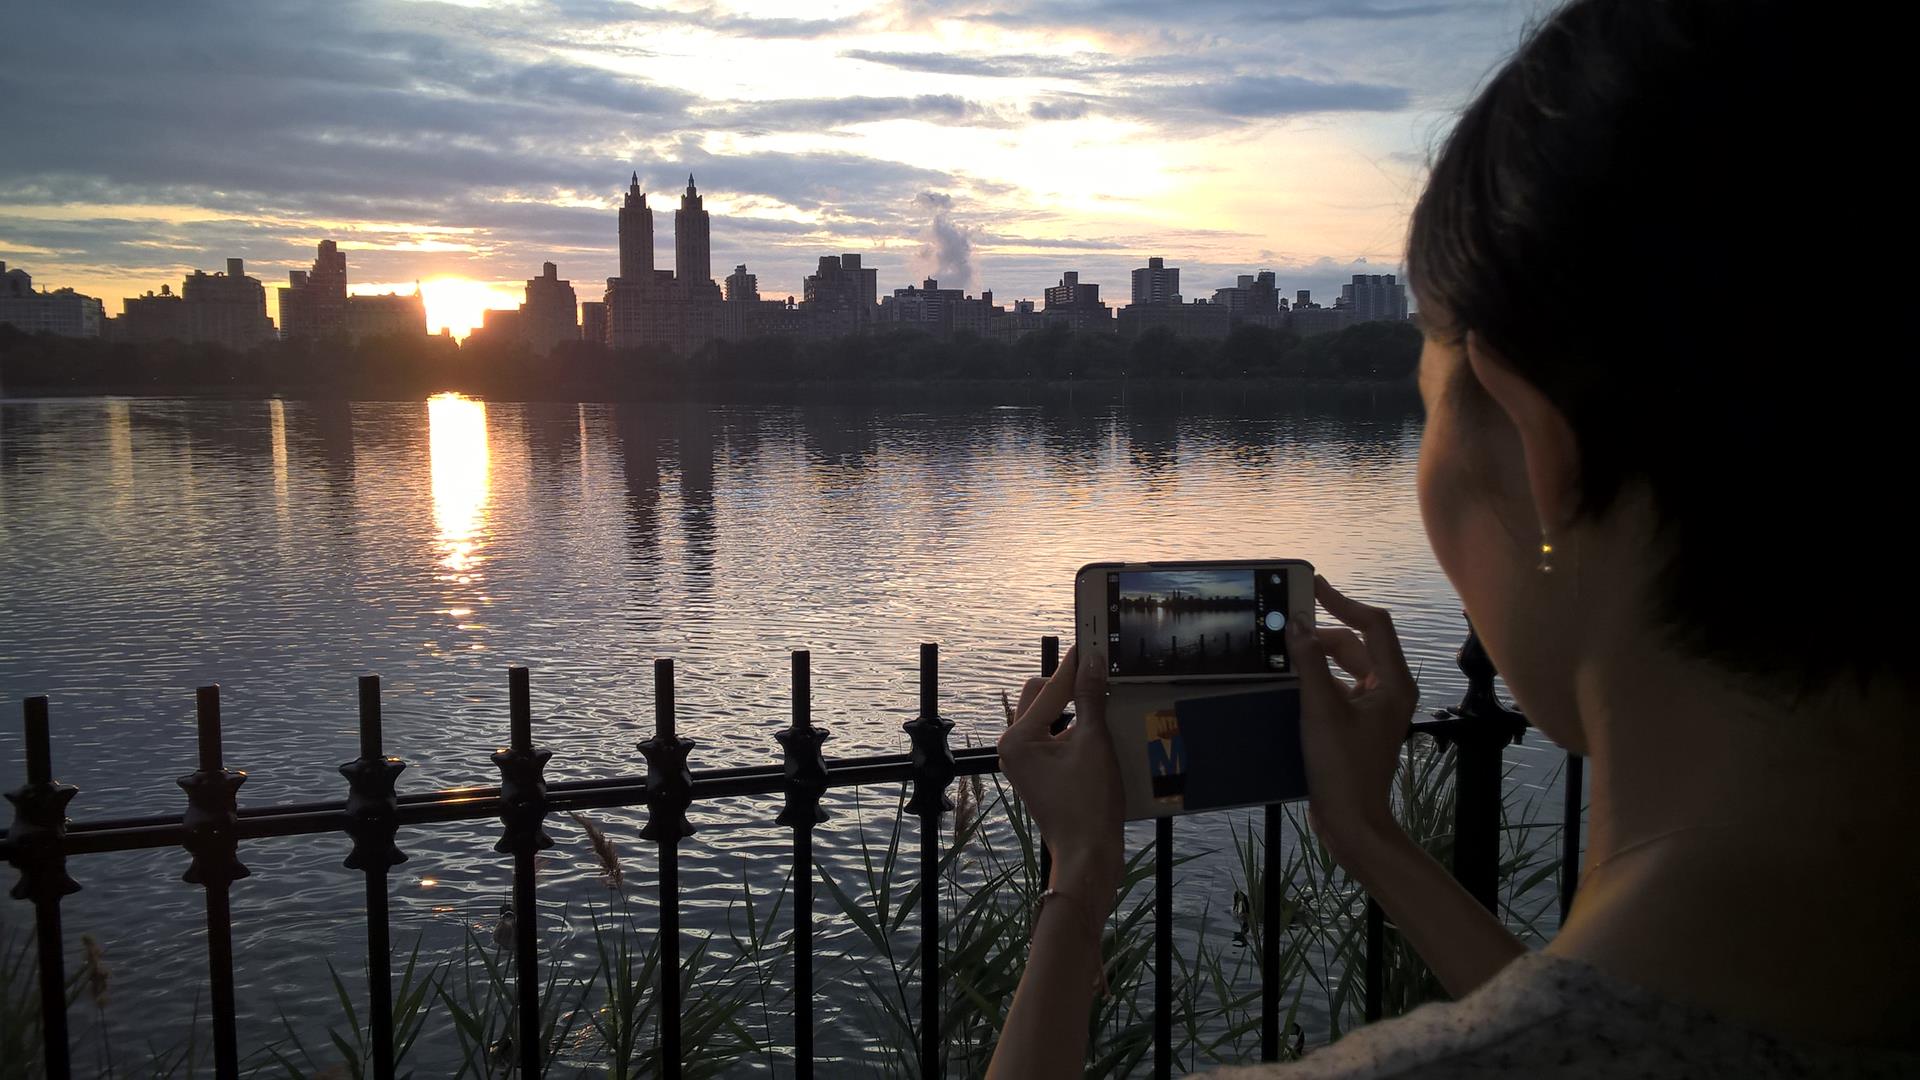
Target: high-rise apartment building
(644, 310)
(61, 311)
(152, 317)
(742, 287)
(593, 322)
(1375, 298)
(692, 240)
(1253, 299)
(693, 270)
(549, 316)
(1200, 319)
(1077, 304)
(841, 295)
(314, 304)
(636, 234)
(1156, 283)
(677, 310)
(227, 309)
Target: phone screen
(1197, 623)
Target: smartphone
(1203, 702)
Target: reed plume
(98, 974)
(603, 850)
(966, 805)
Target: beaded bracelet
(1040, 905)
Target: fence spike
(523, 810)
(373, 818)
(37, 848)
(212, 822)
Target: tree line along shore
(1369, 354)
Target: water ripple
(283, 548)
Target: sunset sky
(990, 144)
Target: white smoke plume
(946, 249)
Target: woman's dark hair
(1627, 214)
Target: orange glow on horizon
(454, 304)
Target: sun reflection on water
(457, 442)
(277, 431)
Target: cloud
(702, 16)
(1060, 109)
(441, 137)
(1259, 96)
(946, 249)
(1190, 93)
(1098, 14)
(816, 114)
(991, 67)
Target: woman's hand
(1352, 732)
(1069, 781)
(1072, 787)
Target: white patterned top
(1549, 1016)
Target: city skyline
(646, 306)
(464, 147)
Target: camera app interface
(1197, 622)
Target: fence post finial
(39, 829)
(523, 783)
(933, 764)
(373, 810)
(213, 805)
(800, 746)
(669, 781)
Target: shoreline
(812, 390)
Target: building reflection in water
(639, 443)
(120, 442)
(331, 434)
(696, 453)
(457, 442)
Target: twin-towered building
(679, 310)
(646, 307)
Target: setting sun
(456, 304)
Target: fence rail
(211, 829)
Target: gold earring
(1546, 553)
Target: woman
(1651, 513)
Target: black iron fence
(41, 839)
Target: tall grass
(601, 1013)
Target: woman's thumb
(1090, 690)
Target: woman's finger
(1028, 691)
(1035, 721)
(1321, 695)
(1090, 693)
(1375, 626)
(1346, 649)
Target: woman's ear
(1546, 439)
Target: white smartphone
(1203, 702)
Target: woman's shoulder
(1545, 1014)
